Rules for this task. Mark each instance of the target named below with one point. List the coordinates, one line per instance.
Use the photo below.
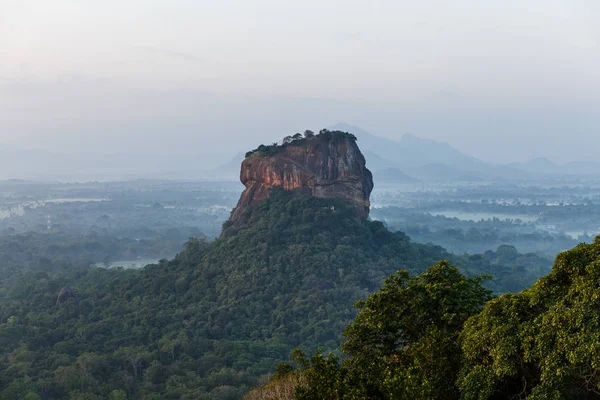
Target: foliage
(431, 336)
(297, 140)
(510, 270)
(281, 388)
(404, 342)
(410, 327)
(542, 343)
(210, 322)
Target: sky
(501, 80)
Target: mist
(187, 85)
(196, 195)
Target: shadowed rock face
(319, 167)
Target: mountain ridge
(411, 153)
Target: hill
(215, 320)
(440, 335)
(210, 322)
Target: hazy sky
(502, 80)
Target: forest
(443, 335)
(215, 320)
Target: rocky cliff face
(324, 166)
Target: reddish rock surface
(322, 168)
(64, 294)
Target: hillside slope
(216, 319)
(209, 323)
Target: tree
(404, 342)
(308, 134)
(287, 139)
(87, 365)
(323, 379)
(543, 343)
(134, 356)
(117, 395)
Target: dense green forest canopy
(403, 344)
(219, 316)
(439, 335)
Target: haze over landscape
(270, 200)
(495, 80)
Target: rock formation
(327, 165)
(64, 294)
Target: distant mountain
(544, 166)
(230, 170)
(540, 165)
(392, 175)
(417, 151)
(430, 160)
(412, 151)
(369, 143)
(375, 162)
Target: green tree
(543, 343)
(134, 356)
(323, 379)
(404, 342)
(117, 395)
